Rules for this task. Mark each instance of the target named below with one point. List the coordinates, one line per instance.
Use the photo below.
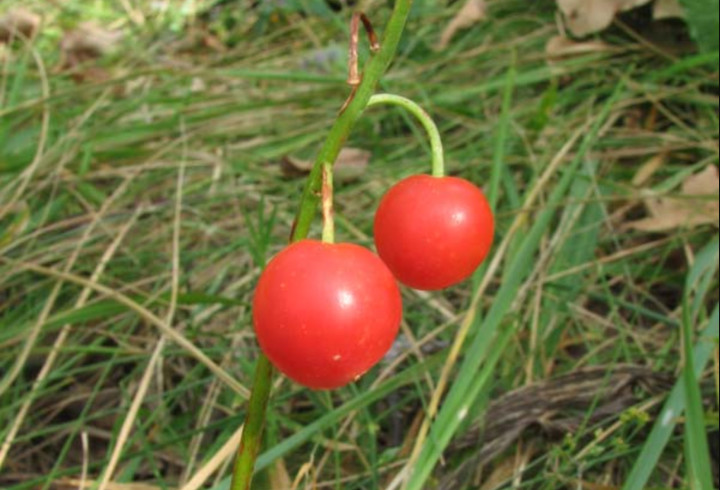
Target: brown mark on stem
(353, 73)
(292, 230)
(354, 77)
(327, 204)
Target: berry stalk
(438, 155)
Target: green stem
(438, 156)
(374, 70)
(254, 424)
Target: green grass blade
(305, 434)
(408, 376)
(467, 387)
(673, 408)
(697, 452)
(501, 137)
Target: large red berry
(433, 232)
(324, 314)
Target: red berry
(433, 232)
(324, 314)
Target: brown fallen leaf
(668, 9)
(508, 467)
(585, 485)
(350, 165)
(19, 22)
(306, 471)
(698, 206)
(560, 47)
(472, 12)
(87, 42)
(648, 169)
(279, 476)
(75, 483)
(585, 17)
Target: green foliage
(704, 24)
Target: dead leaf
(648, 169)
(306, 470)
(472, 12)
(584, 485)
(19, 21)
(350, 164)
(279, 476)
(559, 47)
(87, 42)
(74, 483)
(703, 183)
(508, 467)
(698, 205)
(668, 9)
(584, 17)
(197, 85)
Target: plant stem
(254, 424)
(438, 156)
(374, 70)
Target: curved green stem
(438, 156)
(374, 69)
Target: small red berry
(324, 314)
(433, 232)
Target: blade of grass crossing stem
(697, 451)
(409, 376)
(678, 400)
(468, 384)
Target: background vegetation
(152, 160)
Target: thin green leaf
(674, 407)
(697, 452)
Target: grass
(137, 207)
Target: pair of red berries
(324, 313)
